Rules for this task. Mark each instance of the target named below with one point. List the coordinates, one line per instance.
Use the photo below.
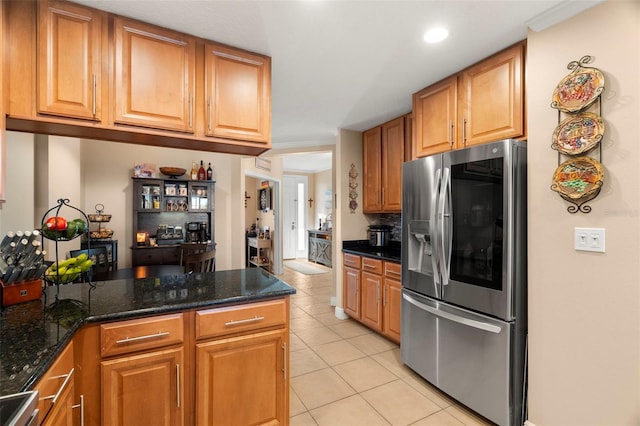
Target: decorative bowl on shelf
(173, 172)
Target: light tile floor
(342, 373)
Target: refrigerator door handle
(444, 196)
(452, 317)
(433, 226)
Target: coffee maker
(197, 232)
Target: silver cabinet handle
(244, 321)
(81, 407)
(93, 106)
(464, 131)
(145, 337)
(394, 273)
(378, 293)
(178, 385)
(451, 133)
(210, 112)
(384, 296)
(190, 110)
(67, 378)
(284, 364)
(383, 196)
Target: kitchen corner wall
(584, 308)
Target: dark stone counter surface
(392, 252)
(32, 334)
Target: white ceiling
(346, 63)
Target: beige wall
(322, 195)
(584, 308)
(346, 226)
(19, 211)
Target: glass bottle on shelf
(209, 172)
(202, 174)
(194, 170)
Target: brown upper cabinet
(238, 94)
(483, 103)
(69, 49)
(383, 153)
(154, 77)
(76, 71)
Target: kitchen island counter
(32, 334)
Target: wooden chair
(200, 262)
(100, 257)
(191, 248)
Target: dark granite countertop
(32, 334)
(392, 252)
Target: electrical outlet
(589, 239)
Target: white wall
(346, 225)
(18, 213)
(322, 195)
(584, 308)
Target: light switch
(589, 239)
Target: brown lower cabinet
(372, 293)
(225, 365)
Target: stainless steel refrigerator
(464, 316)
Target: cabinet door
(143, 389)
(392, 300)
(69, 60)
(238, 94)
(351, 283)
(435, 117)
(3, 111)
(154, 76)
(371, 295)
(392, 158)
(372, 167)
(493, 98)
(242, 380)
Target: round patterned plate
(578, 133)
(578, 90)
(578, 178)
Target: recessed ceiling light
(436, 35)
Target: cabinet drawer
(373, 266)
(351, 260)
(239, 319)
(144, 257)
(140, 334)
(393, 270)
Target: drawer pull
(67, 377)
(366, 265)
(145, 337)
(244, 321)
(390, 272)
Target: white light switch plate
(589, 239)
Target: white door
(294, 216)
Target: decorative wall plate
(578, 178)
(578, 90)
(578, 133)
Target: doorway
(294, 216)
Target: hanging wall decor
(579, 176)
(353, 194)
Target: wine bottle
(209, 172)
(201, 173)
(194, 170)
